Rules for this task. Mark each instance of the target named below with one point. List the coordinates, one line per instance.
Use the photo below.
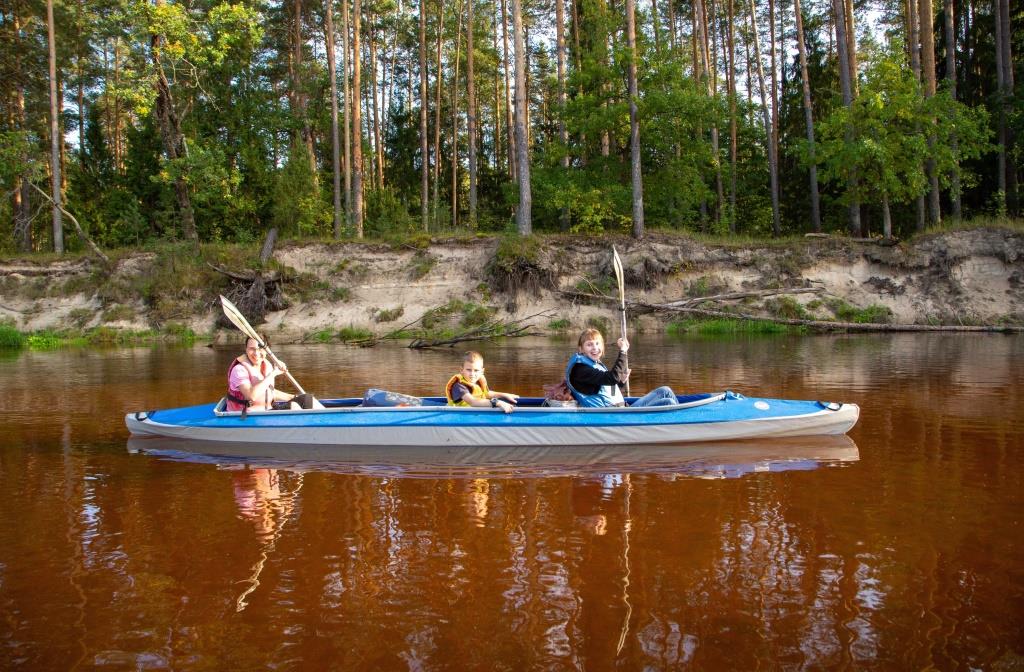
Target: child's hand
(504, 405)
(508, 396)
(623, 344)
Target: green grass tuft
(727, 327)
(11, 338)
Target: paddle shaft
(617, 263)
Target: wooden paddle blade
(617, 264)
(237, 319)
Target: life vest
(606, 395)
(478, 390)
(236, 402)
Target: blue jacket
(606, 395)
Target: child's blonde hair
(589, 335)
(472, 356)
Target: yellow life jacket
(478, 390)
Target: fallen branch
(820, 325)
(78, 227)
(492, 329)
(735, 296)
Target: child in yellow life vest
(469, 387)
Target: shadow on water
(725, 459)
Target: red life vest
(236, 402)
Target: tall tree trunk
(851, 43)
(513, 157)
(335, 135)
(455, 121)
(301, 102)
(497, 97)
(773, 163)
(563, 134)
(928, 71)
(1001, 66)
(20, 201)
(733, 131)
(839, 15)
(654, 26)
(424, 155)
(437, 111)
(808, 117)
(55, 136)
(378, 145)
(357, 122)
(913, 32)
(1007, 139)
(636, 177)
(954, 187)
(523, 213)
(775, 85)
(471, 112)
(346, 60)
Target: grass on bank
(729, 327)
(54, 339)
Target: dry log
(643, 307)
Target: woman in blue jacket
(593, 384)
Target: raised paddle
(243, 325)
(617, 263)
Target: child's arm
(507, 396)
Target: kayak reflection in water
(262, 500)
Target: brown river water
(897, 548)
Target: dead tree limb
(83, 236)
(253, 292)
(819, 325)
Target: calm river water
(900, 548)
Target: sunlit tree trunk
(563, 134)
(301, 102)
(634, 124)
(497, 96)
(523, 212)
(335, 135)
(733, 131)
(455, 120)
(357, 122)
(20, 200)
(913, 31)
(773, 163)
(378, 144)
(509, 124)
(808, 117)
(928, 71)
(954, 187)
(424, 155)
(346, 59)
(655, 28)
(55, 135)
(839, 16)
(1005, 83)
(471, 112)
(437, 111)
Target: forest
(129, 122)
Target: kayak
(711, 460)
(350, 422)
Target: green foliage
(422, 263)
(11, 338)
(388, 315)
(727, 327)
(787, 307)
(560, 324)
(873, 314)
(298, 208)
(350, 333)
(386, 214)
(883, 139)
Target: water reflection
(722, 459)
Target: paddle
(243, 325)
(617, 263)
